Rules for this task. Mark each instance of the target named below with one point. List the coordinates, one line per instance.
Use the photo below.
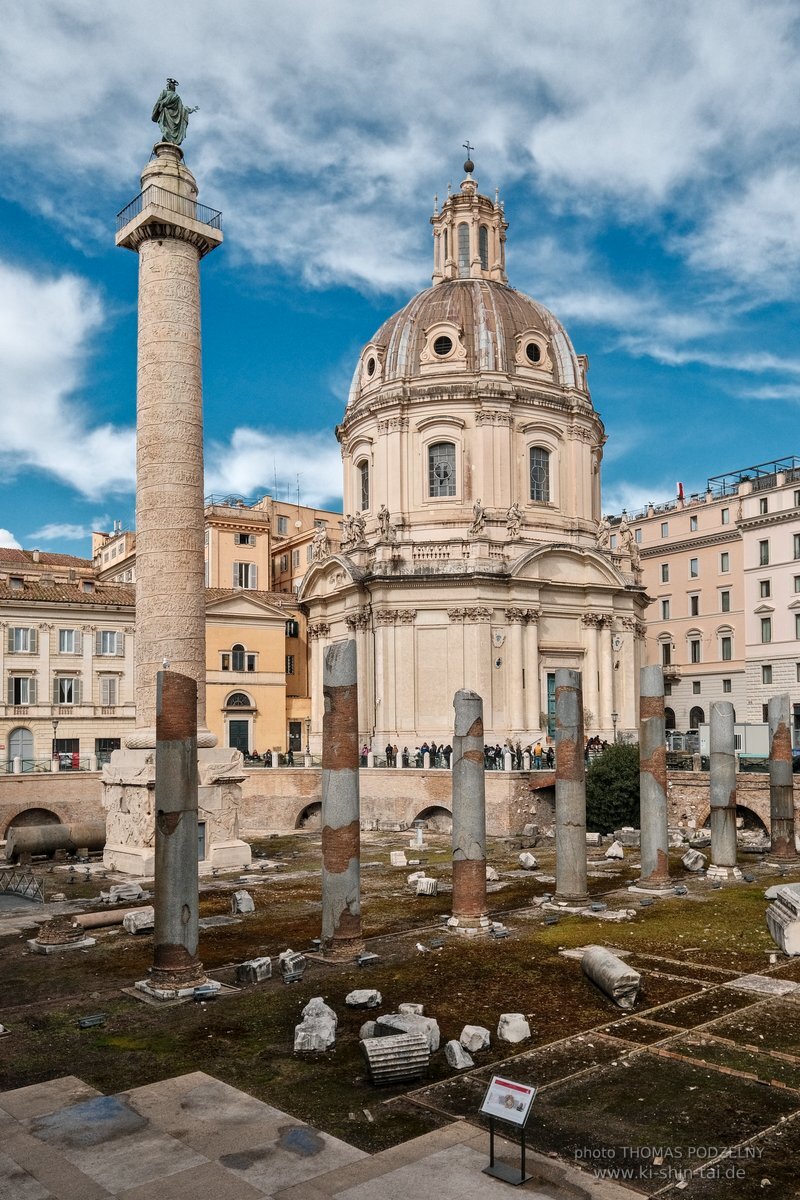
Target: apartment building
(722, 569)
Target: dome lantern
(469, 234)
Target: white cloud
(46, 329)
(633, 497)
(65, 532)
(249, 464)
(8, 540)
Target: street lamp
(55, 730)
(308, 738)
(614, 719)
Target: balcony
(671, 671)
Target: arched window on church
(445, 247)
(540, 474)
(442, 469)
(483, 246)
(463, 249)
(363, 485)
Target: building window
(108, 691)
(764, 588)
(442, 469)
(290, 664)
(363, 485)
(295, 558)
(21, 689)
(309, 552)
(797, 671)
(612, 541)
(763, 505)
(238, 700)
(726, 686)
(237, 657)
(725, 601)
(21, 641)
(483, 247)
(666, 654)
(797, 626)
(665, 610)
(766, 629)
(694, 650)
(763, 553)
(797, 499)
(245, 575)
(66, 690)
(540, 474)
(109, 642)
(69, 641)
(665, 572)
(694, 568)
(693, 524)
(726, 516)
(797, 583)
(696, 717)
(796, 545)
(694, 606)
(225, 662)
(765, 713)
(766, 673)
(463, 249)
(244, 539)
(284, 563)
(665, 528)
(726, 648)
(724, 562)
(283, 525)
(292, 628)
(637, 536)
(695, 688)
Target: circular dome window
(442, 346)
(370, 366)
(533, 352)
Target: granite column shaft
(570, 790)
(469, 807)
(781, 790)
(653, 778)
(341, 816)
(722, 785)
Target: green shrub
(612, 789)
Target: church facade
(473, 552)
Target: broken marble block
(491, 875)
(457, 1056)
(396, 1058)
(693, 860)
(474, 1038)
(615, 850)
(392, 1023)
(614, 977)
(414, 878)
(139, 920)
(317, 1030)
(367, 1030)
(427, 887)
(242, 902)
(410, 1008)
(397, 858)
(363, 998)
(783, 918)
(513, 1027)
(527, 861)
(594, 839)
(122, 893)
(255, 970)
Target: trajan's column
(170, 232)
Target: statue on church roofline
(171, 114)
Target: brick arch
(438, 817)
(757, 809)
(309, 816)
(58, 811)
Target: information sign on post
(507, 1101)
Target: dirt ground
(696, 1094)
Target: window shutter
(31, 691)
(10, 642)
(254, 576)
(120, 644)
(55, 690)
(98, 642)
(33, 640)
(77, 691)
(235, 575)
(11, 689)
(78, 642)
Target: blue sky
(649, 159)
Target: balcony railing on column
(177, 204)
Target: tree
(612, 789)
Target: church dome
(472, 326)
